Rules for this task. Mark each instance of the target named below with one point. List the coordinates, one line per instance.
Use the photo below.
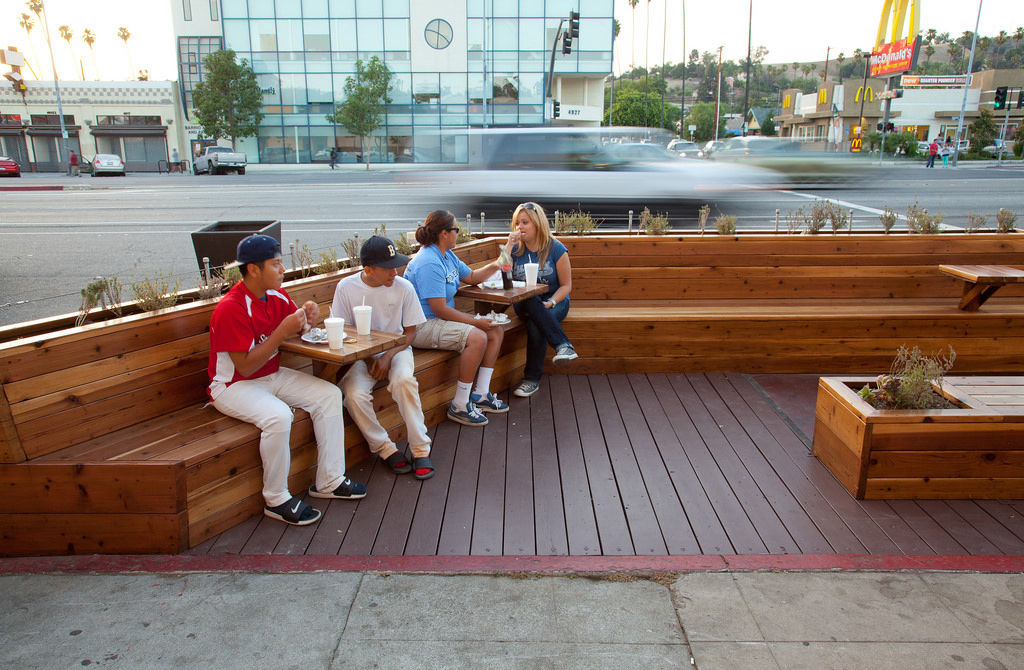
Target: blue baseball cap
(258, 248)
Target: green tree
(124, 36)
(630, 110)
(981, 133)
(768, 128)
(1018, 141)
(702, 115)
(228, 100)
(365, 96)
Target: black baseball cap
(380, 252)
(257, 248)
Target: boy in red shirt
(248, 383)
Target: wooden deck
(644, 464)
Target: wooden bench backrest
(61, 388)
(771, 268)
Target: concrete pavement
(298, 618)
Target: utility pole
(718, 92)
(864, 91)
(682, 96)
(746, 88)
(484, 59)
(967, 81)
(664, 20)
(61, 155)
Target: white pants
(358, 386)
(266, 403)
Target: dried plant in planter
(102, 292)
(654, 224)
(975, 222)
(911, 382)
(795, 220)
(921, 222)
(328, 262)
(725, 224)
(404, 246)
(302, 259)
(351, 248)
(155, 292)
(818, 217)
(576, 223)
(1004, 220)
(888, 218)
(702, 217)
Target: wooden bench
(981, 281)
(803, 304)
(107, 445)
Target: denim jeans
(543, 327)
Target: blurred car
(640, 151)
(586, 169)
(997, 147)
(9, 167)
(107, 164)
(922, 147)
(796, 161)
(711, 146)
(685, 149)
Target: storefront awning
(128, 131)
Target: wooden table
(981, 281)
(486, 298)
(327, 362)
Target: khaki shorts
(442, 334)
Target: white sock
(462, 394)
(483, 381)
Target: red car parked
(9, 167)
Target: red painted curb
(31, 188)
(507, 565)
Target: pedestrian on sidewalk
(248, 382)
(394, 309)
(73, 164)
(175, 161)
(947, 149)
(435, 272)
(933, 151)
(334, 157)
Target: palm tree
(632, 60)
(929, 51)
(36, 6)
(1018, 35)
(66, 34)
(930, 35)
(27, 23)
(796, 68)
(124, 36)
(89, 37)
(839, 59)
(647, 47)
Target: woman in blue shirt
(531, 241)
(435, 271)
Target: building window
(186, 8)
(438, 34)
(214, 13)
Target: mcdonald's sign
(822, 96)
(855, 144)
(787, 101)
(870, 96)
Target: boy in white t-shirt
(396, 309)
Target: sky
(792, 30)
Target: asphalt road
(54, 242)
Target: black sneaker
(295, 512)
(347, 490)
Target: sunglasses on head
(529, 205)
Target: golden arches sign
(822, 96)
(869, 96)
(897, 11)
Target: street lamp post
(967, 80)
(61, 155)
(718, 92)
(746, 87)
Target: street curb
(508, 565)
(32, 188)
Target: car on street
(219, 160)
(685, 149)
(107, 164)
(997, 147)
(601, 170)
(9, 167)
(796, 161)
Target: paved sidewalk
(311, 620)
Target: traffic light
(566, 43)
(555, 109)
(1000, 101)
(574, 25)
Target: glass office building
(455, 64)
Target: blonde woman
(531, 241)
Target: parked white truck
(219, 160)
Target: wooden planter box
(976, 451)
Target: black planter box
(219, 241)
